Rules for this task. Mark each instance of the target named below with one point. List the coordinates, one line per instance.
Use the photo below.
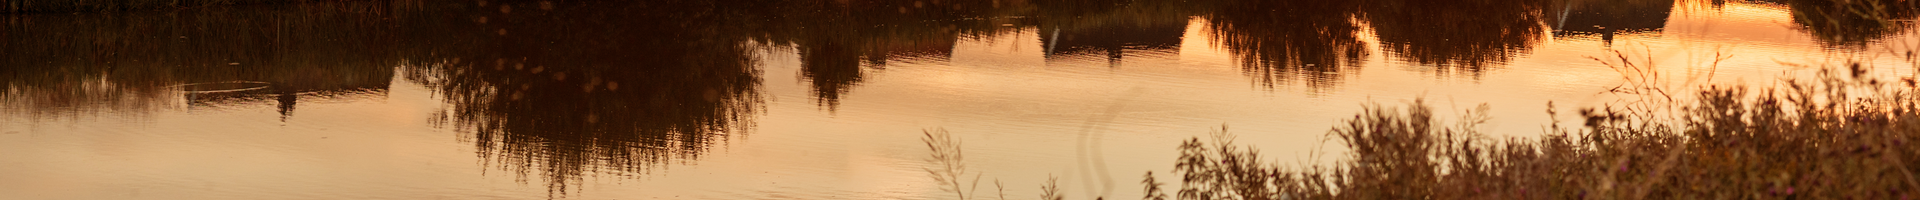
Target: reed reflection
(565, 90)
(138, 63)
(1457, 37)
(1279, 42)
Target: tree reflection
(833, 69)
(1610, 17)
(1852, 23)
(839, 42)
(140, 62)
(1108, 28)
(565, 90)
(1464, 36)
(1280, 41)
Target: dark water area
(778, 99)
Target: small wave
(221, 87)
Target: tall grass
(1842, 135)
(950, 168)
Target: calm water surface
(813, 99)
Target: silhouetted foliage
(1832, 137)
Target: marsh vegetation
(555, 92)
(1841, 136)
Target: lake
(788, 99)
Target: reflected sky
(580, 96)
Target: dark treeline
(56, 6)
(1609, 18)
(563, 89)
(1311, 42)
(56, 62)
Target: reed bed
(1841, 136)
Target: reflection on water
(541, 91)
(1457, 37)
(1106, 29)
(1277, 42)
(149, 60)
(560, 91)
(534, 95)
(1610, 17)
(1852, 24)
(839, 42)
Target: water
(814, 100)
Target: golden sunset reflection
(817, 99)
